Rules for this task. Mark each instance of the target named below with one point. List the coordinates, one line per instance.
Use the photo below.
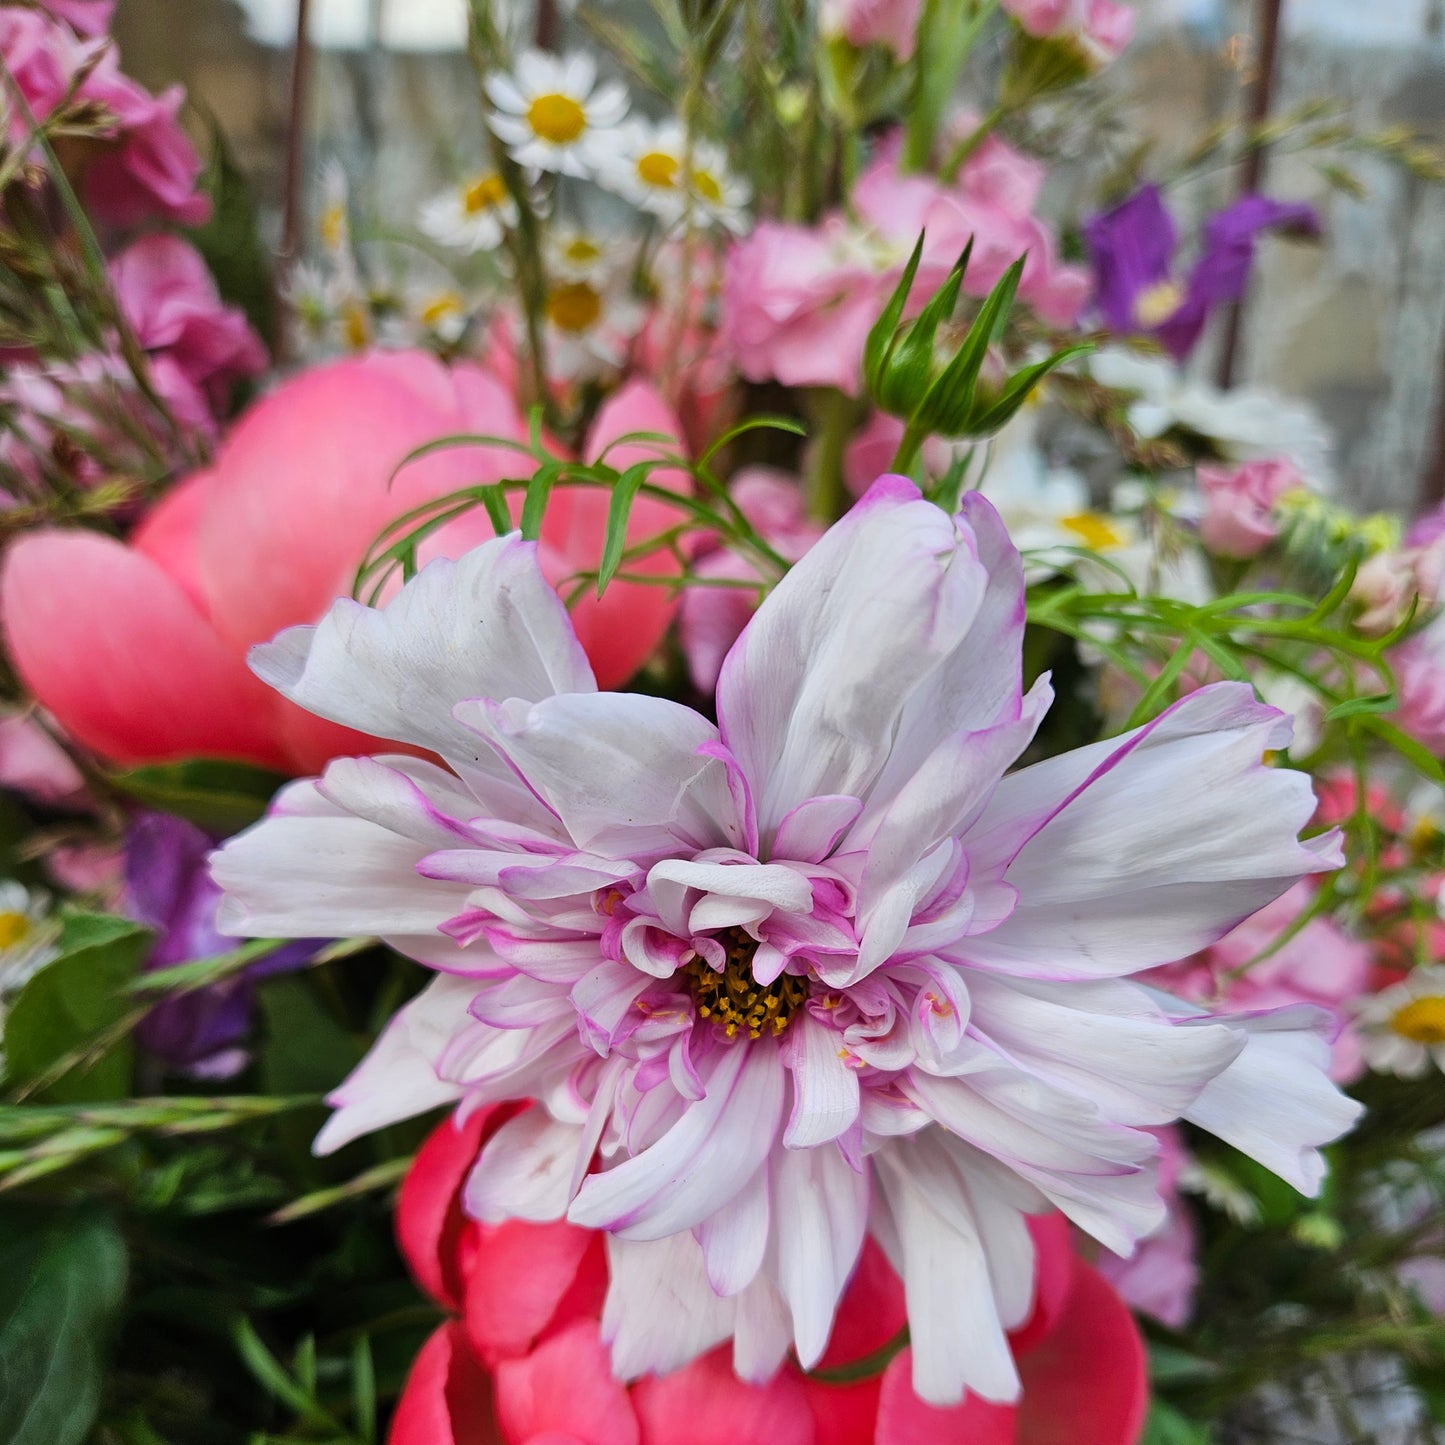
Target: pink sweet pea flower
(198, 345)
(484, 1379)
(1239, 519)
(142, 166)
(1320, 965)
(890, 23)
(711, 618)
(1419, 667)
(139, 650)
(86, 17)
(821, 971)
(1103, 28)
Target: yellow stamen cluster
(14, 928)
(657, 168)
(484, 193)
(1157, 303)
(557, 118)
(1095, 531)
(575, 307)
(735, 998)
(1422, 1020)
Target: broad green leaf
(62, 1280)
(72, 1012)
(221, 797)
(1166, 1426)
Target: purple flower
(168, 887)
(1137, 290)
(825, 969)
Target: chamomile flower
(589, 326)
(439, 313)
(334, 225)
(1402, 1027)
(574, 253)
(472, 215)
(27, 936)
(655, 168)
(552, 114)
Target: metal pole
(293, 221)
(1432, 484)
(1258, 99)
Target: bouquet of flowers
(704, 794)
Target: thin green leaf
(619, 509)
(878, 349)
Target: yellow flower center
(735, 998)
(1422, 1020)
(659, 169)
(574, 307)
(440, 307)
(333, 227)
(1157, 303)
(582, 251)
(483, 194)
(14, 928)
(557, 118)
(1093, 530)
(706, 185)
(356, 325)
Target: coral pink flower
(711, 618)
(819, 971)
(891, 23)
(139, 650)
(526, 1356)
(1239, 518)
(1103, 28)
(197, 344)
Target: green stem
(970, 143)
(833, 416)
(908, 448)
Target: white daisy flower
(652, 167)
(471, 216)
(334, 224)
(574, 253)
(27, 936)
(589, 327)
(552, 114)
(1402, 1027)
(440, 312)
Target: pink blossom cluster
(1103, 28)
(798, 301)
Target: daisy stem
(833, 415)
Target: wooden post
(1258, 100)
(1432, 484)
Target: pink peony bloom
(1103, 28)
(891, 23)
(1239, 518)
(86, 17)
(1320, 965)
(198, 346)
(819, 971)
(140, 650)
(711, 618)
(525, 1357)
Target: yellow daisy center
(659, 169)
(1093, 530)
(735, 999)
(557, 118)
(582, 251)
(441, 306)
(1155, 304)
(1422, 1020)
(356, 324)
(333, 227)
(706, 185)
(484, 194)
(574, 307)
(14, 929)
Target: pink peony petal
(429, 1219)
(565, 1387)
(115, 649)
(706, 1404)
(904, 1419)
(446, 1398)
